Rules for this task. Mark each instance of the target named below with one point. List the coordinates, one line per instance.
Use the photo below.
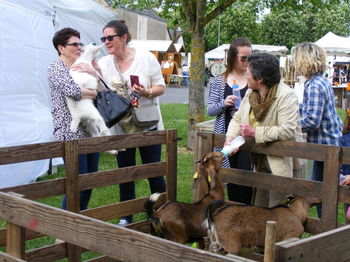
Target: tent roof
(154, 45)
(179, 47)
(219, 52)
(334, 44)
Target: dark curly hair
(266, 66)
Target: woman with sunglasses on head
(221, 103)
(116, 69)
(67, 43)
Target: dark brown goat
(182, 222)
(235, 226)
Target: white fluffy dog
(84, 111)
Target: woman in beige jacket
(269, 112)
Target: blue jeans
(88, 163)
(185, 79)
(317, 175)
(149, 154)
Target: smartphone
(134, 80)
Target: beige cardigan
(282, 122)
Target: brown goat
(182, 222)
(235, 226)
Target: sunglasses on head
(75, 44)
(110, 37)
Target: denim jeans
(149, 154)
(88, 163)
(317, 175)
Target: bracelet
(150, 94)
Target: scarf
(261, 105)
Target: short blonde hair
(309, 59)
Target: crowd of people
(264, 107)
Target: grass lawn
(174, 117)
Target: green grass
(175, 116)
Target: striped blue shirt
(319, 118)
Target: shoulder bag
(111, 106)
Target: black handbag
(111, 106)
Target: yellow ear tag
(195, 176)
(209, 179)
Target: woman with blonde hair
(319, 117)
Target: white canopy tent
(220, 52)
(154, 45)
(26, 31)
(334, 44)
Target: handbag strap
(104, 83)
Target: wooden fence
(87, 230)
(330, 192)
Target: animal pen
(87, 230)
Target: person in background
(319, 117)
(185, 74)
(269, 112)
(116, 68)
(67, 43)
(221, 104)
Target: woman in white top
(116, 69)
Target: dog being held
(84, 111)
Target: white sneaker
(123, 223)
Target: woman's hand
(229, 100)
(228, 141)
(247, 130)
(146, 92)
(88, 93)
(346, 180)
(85, 68)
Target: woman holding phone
(147, 83)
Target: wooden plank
(16, 154)
(121, 175)
(47, 253)
(344, 194)
(171, 164)
(120, 209)
(39, 189)
(104, 238)
(325, 247)
(270, 239)
(100, 144)
(345, 155)
(102, 259)
(271, 182)
(15, 240)
(4, 257)
(330, 189)
(280, 148)
(206, 141)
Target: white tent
(334, 44)
(220, 52)
(26, 31)
(154, 45)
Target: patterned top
(319, 118)
(216, 107)
(61, 86)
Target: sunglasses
(110, 37)
(75, 44)
(243, 58)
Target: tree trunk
(196, 87)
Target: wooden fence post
(330, 188)
(72, 190)
(171, 164)
(270, 239)
(15, 238)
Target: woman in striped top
(221, 103)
